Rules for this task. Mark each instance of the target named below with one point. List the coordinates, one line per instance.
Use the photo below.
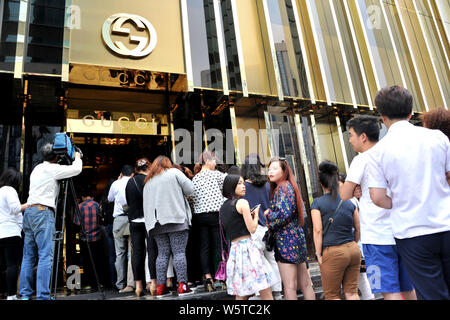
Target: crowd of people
(159, 227)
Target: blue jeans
(39, 227)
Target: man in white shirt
(414, 164)
(385, 268)
(39, 222)
(117, 195)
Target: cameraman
(39, 222)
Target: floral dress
(290, 243)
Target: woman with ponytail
(285, 219)
(336, 245)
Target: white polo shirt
(412, 162)
(375, 221)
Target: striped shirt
(90, 215)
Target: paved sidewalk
(199, 293)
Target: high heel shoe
(209, 285)
(152, 289)
(139, 292)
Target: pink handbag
(221, 273)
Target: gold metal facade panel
(440, 24)
(423, 61)
(313, 59)
(88, 47)
(256, 48)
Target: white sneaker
(14, 297)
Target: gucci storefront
(278, 77)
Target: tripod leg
(78, 213)
(58, 237)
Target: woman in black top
(333, 222)
(133, 192)
(247, 270)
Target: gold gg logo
(114, 25)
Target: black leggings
(207, 225)
(138, 239)
(11, 251)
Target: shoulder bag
(221, 273)
(330, 221)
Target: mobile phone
(254, 208)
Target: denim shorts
(385, 270)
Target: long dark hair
(251, 170)
(328, 177)
(11, 178)
(288, 176)
(229, 185)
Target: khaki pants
(340, 266)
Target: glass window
(232, 61)
(45, 37)
(9, 17)
(288, 49)
(204, 46)
(284, 143)
(10, 137)
(311, 160)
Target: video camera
(64, 148)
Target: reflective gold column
(428, 46)
(21, 48)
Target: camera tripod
(59, 235)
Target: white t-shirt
(10, 213)
(117, 195)
(375, 221)
(412, 162)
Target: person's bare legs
(392, 296)
(288, 274)
(242, 298)
(409, 295)
(266, 294)
(304, 282)
(406, 295)
(139, 288)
